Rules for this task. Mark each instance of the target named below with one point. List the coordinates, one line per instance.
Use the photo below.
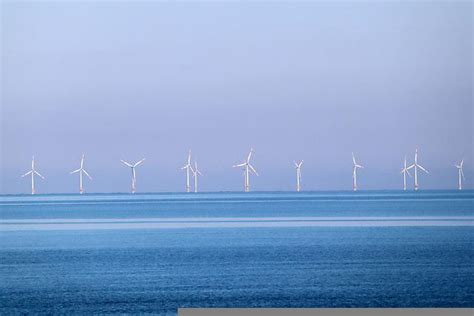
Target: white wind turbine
(134, 176)
(405, 172)
(188, 168)
(354, 172)
(416, 166)
(460, 173)
(196, 172)
(33, 172)
(247, 167)
(81, 170)
(298, 175)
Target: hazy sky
(295, 80)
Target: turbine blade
(412, 166)
(250, 155)
(196, 170)
(39, 174)
(408, 173)
(75, 171)
(353, 159)
(241, 165)
(139, 163)
(423, 169)
(87, 174)
(126, 163)
(253, 169)
(359, 166)
(462, 173)
(29, 172)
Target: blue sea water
(153, 253)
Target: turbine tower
(247, 168)
(196, 172)
(298, 175)
(405, 172)
(134, 176)
(416, 166)
(33, 172)
(354, 172)
(81, 170)
(460, 174)
(188, 168)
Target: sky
(310, 81)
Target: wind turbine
(354, 172)
(416, 166)
(196, 172)
(33, 172)
(460, 173)
(247, 167)
(188, 168)
(81, 170)
(405, 172)
(134, 176)
(298, 175)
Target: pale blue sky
(294, 80)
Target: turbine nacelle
(188, 162)
(134, 175)
(460, 164)
(81, 170)
(416, 165)
(298, 165)
(188, 168)
(247, 167)
(460, 174)
(298, 174)
(405, 168)
(355, 166)
(33, 172)
(195, 171)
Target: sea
(154, 253)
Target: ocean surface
(153, 253)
